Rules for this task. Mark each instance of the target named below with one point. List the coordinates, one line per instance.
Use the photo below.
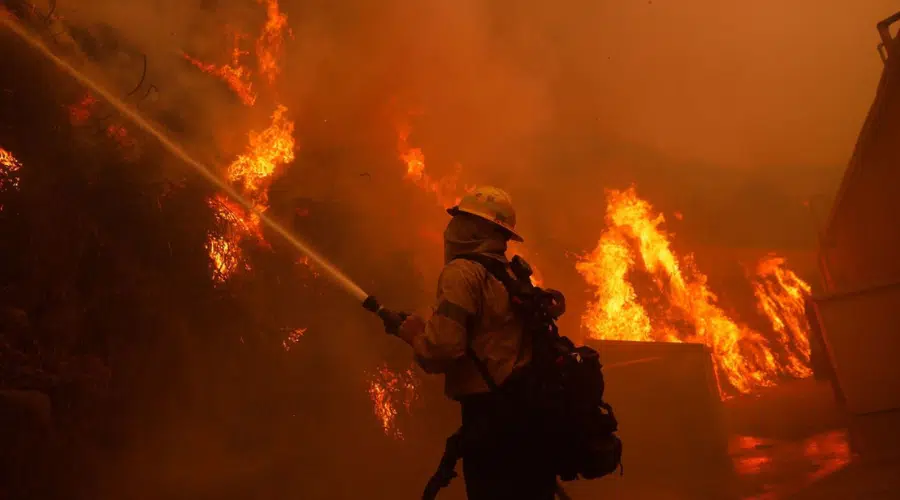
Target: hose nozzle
(391, 319)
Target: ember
(81, 111)
(9, 171)
(685, 310)
(388, 390)
(293, 338)
(119, 134)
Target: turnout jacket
(472, 309)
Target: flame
(781, 297)
(269, 43)
(267, 151)
(236, 76)
(387, 389)
(293, 338)
(682, 307)
(444, 188)
(253, 172)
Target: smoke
(733, 114)
(506, 89)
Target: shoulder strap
(493, 266)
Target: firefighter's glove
(412, 327)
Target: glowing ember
(444, 188)
(236, 76)
(9, 171)
(293, 338)
(81, 111)
(225, 248)
(388, 390)
(119, 134)
(269, 43)
(682, 308)
(781, 297)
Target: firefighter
(502, 457)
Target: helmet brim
(454, 211)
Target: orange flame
(267, 151)
(269, 43)
(388, 389)
(445, 188)
(236, 76)
(781, 297)
(683, 310)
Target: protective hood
(467, 234)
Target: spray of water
(132, 114)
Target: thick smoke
(735, 115)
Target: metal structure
(859, 314)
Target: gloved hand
(412, 327)
(392, 320)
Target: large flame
(234, 74)
(390, 390)
(253, 171)
(675, 303)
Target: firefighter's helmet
(491, 204)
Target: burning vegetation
(390, 390)
(9, 170)
(269, 150)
